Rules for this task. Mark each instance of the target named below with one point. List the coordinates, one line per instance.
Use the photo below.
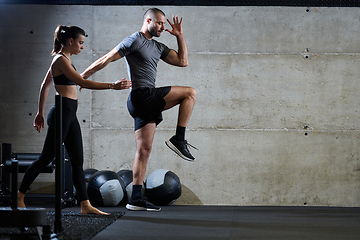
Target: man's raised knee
(193, 93)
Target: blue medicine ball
(162, 187)
(105, 188)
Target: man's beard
(153, 32)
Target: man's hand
(179, 58)
(176, 26)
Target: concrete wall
(277, 116)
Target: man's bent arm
(179, 58)
(182, 51)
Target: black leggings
(73, 142)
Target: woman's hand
(122, 84)
(39, 122)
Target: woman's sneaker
(141, 205)
(180, 148)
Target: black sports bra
(62, 79)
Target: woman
(67, 41)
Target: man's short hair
(152, 11)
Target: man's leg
(186, 97)
(144, 139)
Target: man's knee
(144, 151)
(192, 93)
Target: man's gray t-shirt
(142, 56)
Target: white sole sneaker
(172, 147)
(138, 208)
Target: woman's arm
(43, 94)
(64, 66)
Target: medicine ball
(105, 188)
(88, 173)
(127, 177)
(162, 187)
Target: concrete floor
(231, 222)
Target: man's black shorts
(146, 104)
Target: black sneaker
(141, 205)
(180, 147)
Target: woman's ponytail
(62, 34)
(57, 40)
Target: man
(146, 102)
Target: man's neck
(146, 34)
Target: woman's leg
(46, 157)
(74, 147)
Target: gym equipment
(105, 188)
(88, 173)
(23, 217)
(24, 161)
(162, 187)
(59, 161)
(5, 176)
(127, 177)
